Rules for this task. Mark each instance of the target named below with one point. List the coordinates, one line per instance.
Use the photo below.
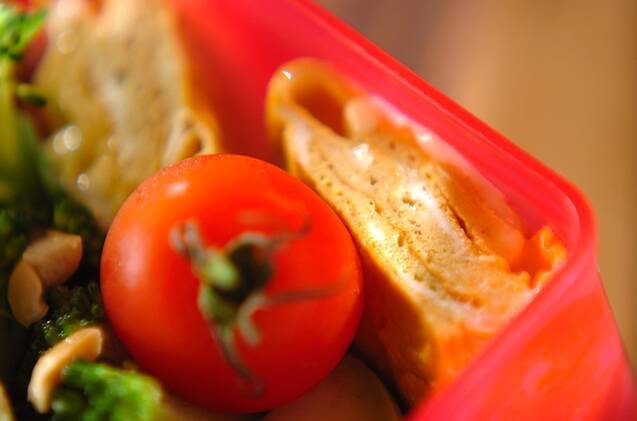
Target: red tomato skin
(149, 290)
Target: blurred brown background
(557, 77)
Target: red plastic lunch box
(561, 358)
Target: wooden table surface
(559, 78)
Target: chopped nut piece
(25, 294)
(6, 414)
(55, 257)
(84, 344)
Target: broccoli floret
(16, 225)
(18, 173)
(18, 176)
(70, 216)
(94, 391)
(17, 29)
(17, 222)
(70, 308)
(24, 172)
(31, 201)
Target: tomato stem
(231, 286)
(225, 339)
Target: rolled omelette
(447, 263)
(124, 99)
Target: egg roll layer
(123, 99)
(446, 261)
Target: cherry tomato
(299, 272)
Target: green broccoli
(19, 178)
(16, 225)
(17, 29)
(32, 201)
(70, 308)
(24, 172)
(18, 174)
(70, 216)
(17, 222)
(94, 391)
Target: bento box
(561, 358)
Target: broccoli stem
(9, 144)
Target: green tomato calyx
(232, 281)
